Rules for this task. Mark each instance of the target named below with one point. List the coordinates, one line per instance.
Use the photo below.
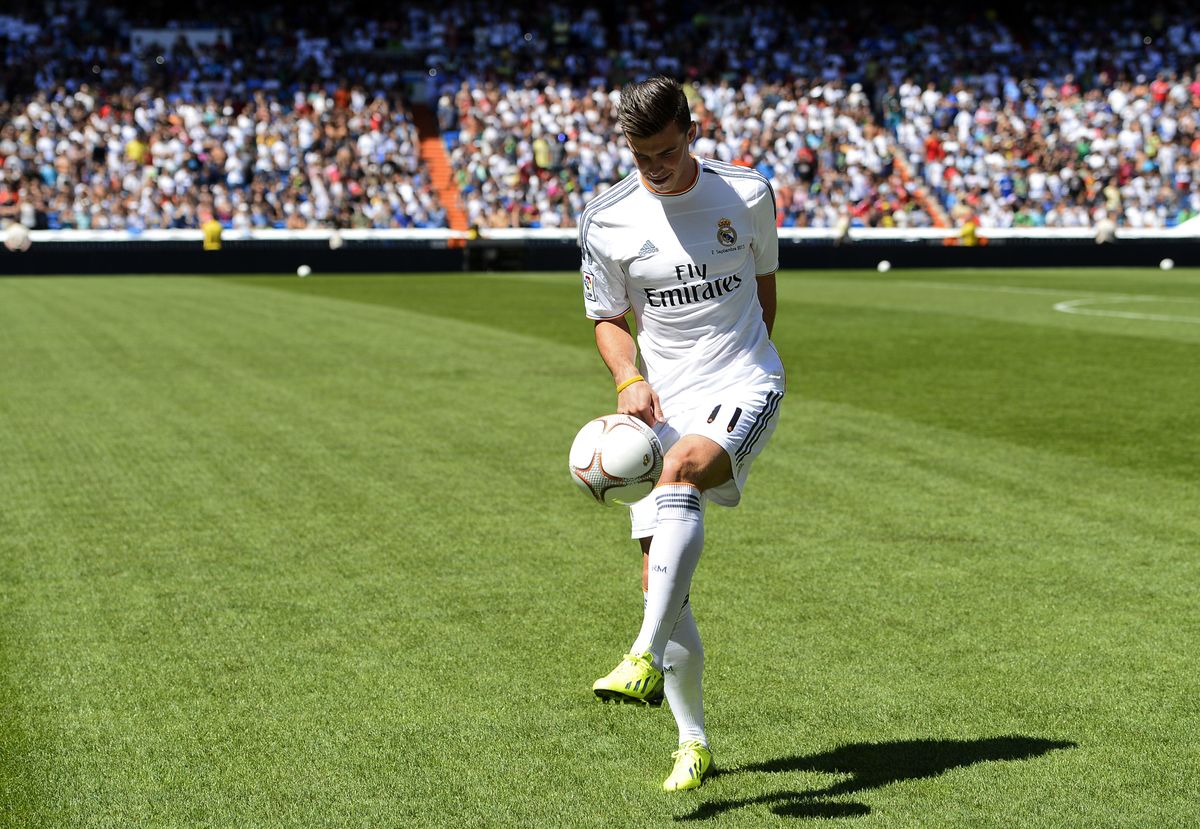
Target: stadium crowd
(1043, 119)
(95, 134)
(297, 117)
(529, 154)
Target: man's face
(663, 159)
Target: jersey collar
(683, 192)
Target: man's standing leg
(683, 670)
(684, 660)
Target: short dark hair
(648, 106)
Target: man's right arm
(617, 348)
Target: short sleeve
(605, 293)
(766, 235)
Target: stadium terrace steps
(927, 201)
(433, 153)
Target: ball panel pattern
(616, 459)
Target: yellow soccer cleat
(634, 680)
(693, 762)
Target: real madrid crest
(726, 235)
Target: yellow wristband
(637, 378)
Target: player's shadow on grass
(872, 766)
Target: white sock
(683, 671)
(684, 666)
(674, 554)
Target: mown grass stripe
(247, 519)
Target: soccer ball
(16, 238)
(616, 459)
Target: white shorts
(740, 421)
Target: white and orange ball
(616, 459)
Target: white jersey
(686, 265)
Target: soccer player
(689, 246)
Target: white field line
(1073, 306)
(1076, 306)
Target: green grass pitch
(304, 553)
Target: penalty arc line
(1075, 306)
(1068, 306)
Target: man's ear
(693, 131)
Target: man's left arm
(766, 252)
(766, 298)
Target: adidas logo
(647, 249)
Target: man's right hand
(641, 401)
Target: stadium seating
(1026, 119)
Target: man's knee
(677, 469)
(697, 461)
